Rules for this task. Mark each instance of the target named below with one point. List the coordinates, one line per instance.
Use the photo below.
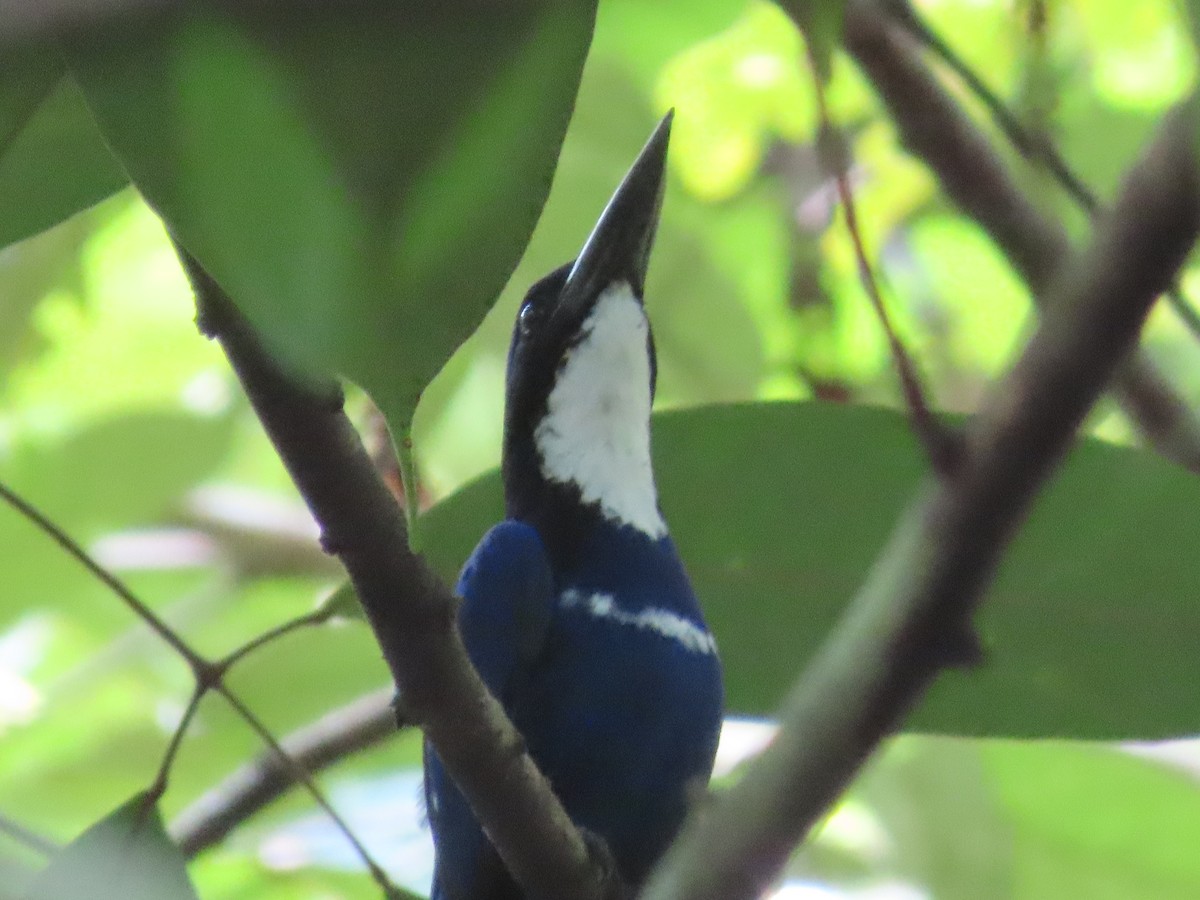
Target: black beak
(618, 249)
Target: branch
(199, 666)
(363, 723)
(1036, 148)
(206, 675)
(934, 127)
(391, 892)
(27, 838)
(259, 534)
(411, 612)
(912, 617)
(938, 439)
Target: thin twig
(363, 723)
(31, 840)
(934, 127)
(1038, 149)
(207, 675)
(158, 787)
(118, 587)
(305, 778)
(318, 616)
(936, 438)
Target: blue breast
(623, 709)
(612, 679)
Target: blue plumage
(577, 611)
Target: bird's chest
(629, 691)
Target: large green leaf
(1013, 820)
(126, 854)
(779, 509)
(1096, 822)
(53, 162)
(361, 178)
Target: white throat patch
(596, 433)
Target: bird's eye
(527, 317)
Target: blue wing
(507, 592)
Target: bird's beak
(618, 249)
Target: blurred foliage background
(128, 430)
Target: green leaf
(1102, 165)
(126, 854)
(1096, 822)
(361, 180)
(984, 303)
(26, 78)
(53, 162)
(1145, 61)
(1013, 820)
(779, 510)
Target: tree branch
(1035, 147)
(411, 612)
(363, 723)
(933, 126)
(912, 617)
(27, 838)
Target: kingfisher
(577, 611)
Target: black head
(556, 320)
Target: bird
(577, 611)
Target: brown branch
(206, 675)
(200, 667)
(934, 127)
(1035, 147)
(411, 612)
(27, 838)
(258, 534)
(365, 722)
(939, 440)
(158, 787)
(912, 617)
(300, 775)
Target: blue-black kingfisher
(576, 609)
